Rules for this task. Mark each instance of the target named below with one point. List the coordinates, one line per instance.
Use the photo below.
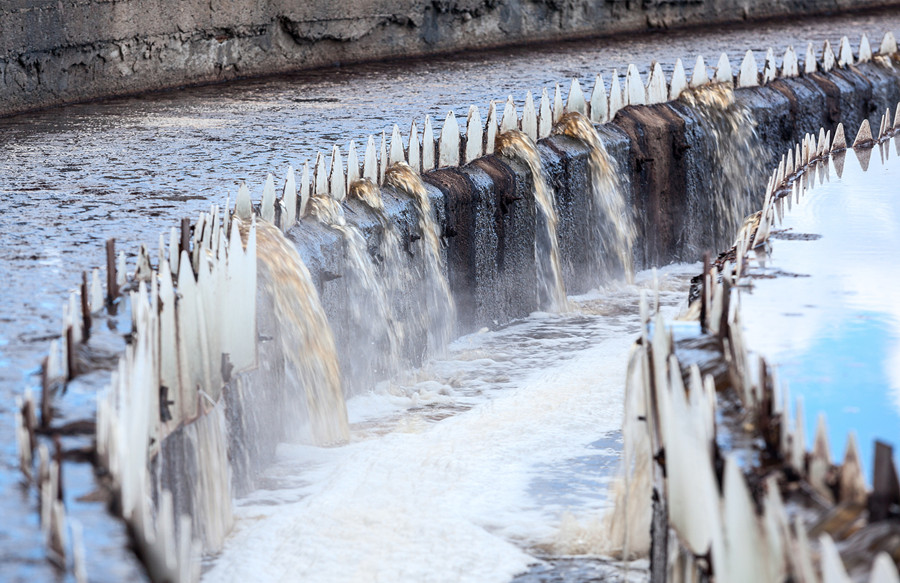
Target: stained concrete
(54, 52)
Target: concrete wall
(59, 51)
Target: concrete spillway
(489, 221)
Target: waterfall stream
(304, 335)
(552, 293)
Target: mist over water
(435, 315)
(305, 337)
(494, 457)
(372, 321)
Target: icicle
(865, 50)
(699, 78)
(352, 164)
(449, 142)
(304, 190)
(414, 150)
(790, 67)
(428, 146)
(749, 74)
(545, 119)
(575, 101)
(745, 549)
(723, 70)
(657, 92)
(833, 570)
(510, 119)
(382, 158)
(337, 181)
(820, 461)
(490, 130)
(888, 45)
(96, 298)
(321, 176)
(557, 104)
(474, 135)
(396, 155)
(267, 204)
(827, 57)
(679, 81)
(529, 118)
(289, 196)
(864, 136)
(853, 483)
(634, 87)
(616, 100)
(370, 164)
(121, 269)
(142, 270)
(839, 143)
(845, 53)
(809, 65)
(884, 570)
(599, 102)
(243, 208)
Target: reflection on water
(834, 332)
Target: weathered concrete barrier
(58, 52)
(670, 148)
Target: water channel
(130, 168)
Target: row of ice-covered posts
(451, 147)
(179, 346)
(749, 541)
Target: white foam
(457, 473)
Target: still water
(829, 319)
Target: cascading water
(438, 312)
(736, 156)
(304, 334)
(369, 306)
(611, 220)
(391, 266)
(552, 293)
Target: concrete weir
(669, 152)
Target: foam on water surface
(463, 471)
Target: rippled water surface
(829, 319)
(130, 168)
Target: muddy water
(475, 467)
(825, 310)
(129, 168)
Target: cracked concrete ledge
(54, 52)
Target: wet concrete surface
(130, 168)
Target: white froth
(460, 472)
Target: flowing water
(304, 334)
(611, 219)
(738, 159)
(437, 304)
(131, 167)
(489, 463)
(824, 311)
(552, 290)
(368, 302)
